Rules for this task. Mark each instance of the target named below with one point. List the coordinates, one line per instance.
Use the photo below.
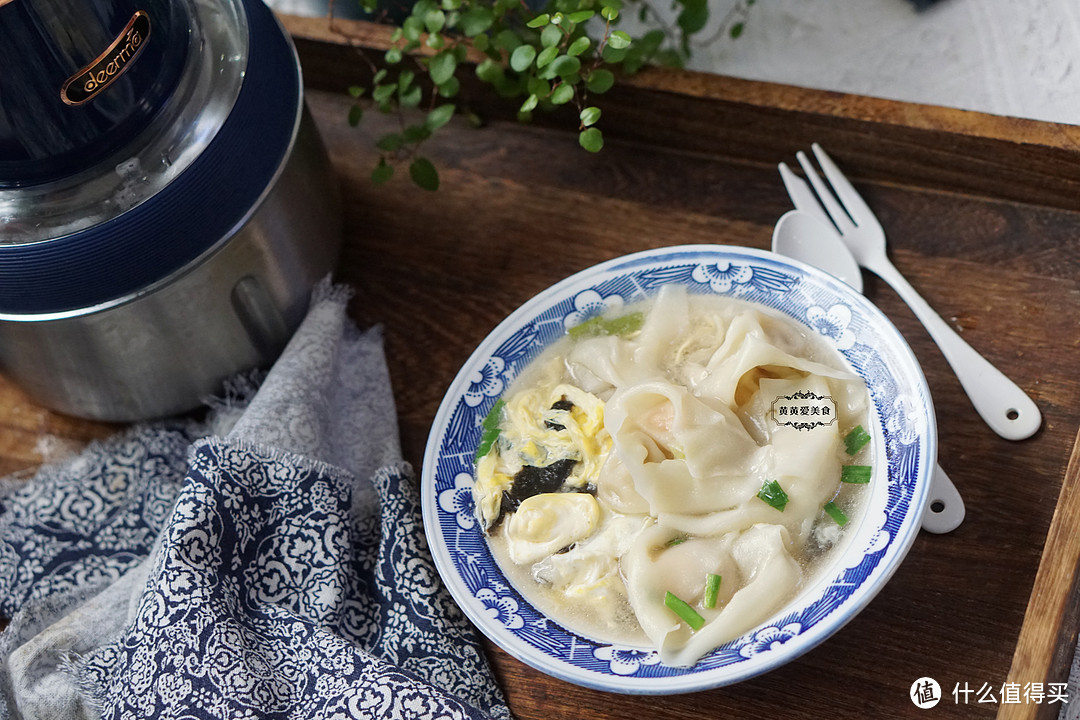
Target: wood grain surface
(982, 214)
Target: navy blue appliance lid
(201, 208)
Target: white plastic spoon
(803, 237)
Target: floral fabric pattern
(90, 520)
(267, 562)
(268, 600)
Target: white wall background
(1007, 57)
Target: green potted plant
(541, 55)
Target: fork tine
(839, 216)
(857, 208)
(801, 194)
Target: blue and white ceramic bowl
(904, 431)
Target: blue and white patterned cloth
(267, 562)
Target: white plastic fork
(1005, 407)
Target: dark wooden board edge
(1044, 651)
(932, 147)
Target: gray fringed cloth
(267, 562)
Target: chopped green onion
(836, 513)
(490, 429)
(625, 325)
(774, 495)
(688, 614)
(856, 440)
(712, 590)
(598, 325)
(857, 474)
(676, 541)
(592, 326)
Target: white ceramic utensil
(1004, 406)
(804, 237)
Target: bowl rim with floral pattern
(903, 430)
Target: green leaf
(736, 30)
(384, 92)
(393, 56)
(451, 4)
(644, 50)
(481, 42)
(579, 46)
(414, 134)
(619, 40)
(600, 81)
(539, 21)
(609, 13)
(390, 142)
(435, 41)
(439, 116)
(424, 174)
(450, 88)
(435, 21)
(530, 104)
(474, 120)
(413, 28)
(489, 71)
(476, 21)
(411, 97)
(669, 58)
(591, 139)
(613, 54)
(422, 7)
(589, 115)
(382, 172)
(581, 16)
(405, 79)
(551, 36)
(442, 67)
(378, 78)
(522, 58)
(651, 41)
(356, 91)
(538, 86)
(546, 56)
(507, 40)
(355, 114)
(563, 94)
(694, 16)
(564, 65)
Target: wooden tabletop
(983, 217)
